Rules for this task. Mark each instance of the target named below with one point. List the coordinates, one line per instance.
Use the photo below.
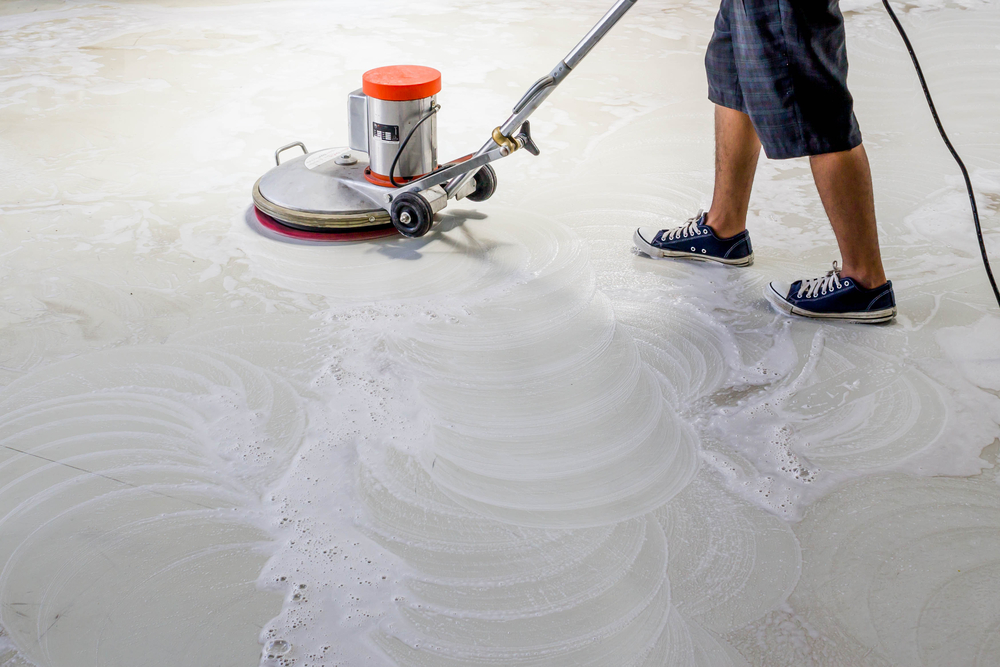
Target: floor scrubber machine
(389, 179)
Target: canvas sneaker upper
(695, 240)
(833, 296)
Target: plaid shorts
(784, 64)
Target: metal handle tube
(527, 106)
(599, 31)
(541, 89)
(473, 164)
(545, 86)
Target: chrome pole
(542, 88)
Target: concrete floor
(513, 441)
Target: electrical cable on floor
(954, 153)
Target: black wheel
(412, 215)
(486, 184)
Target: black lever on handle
(524, 138)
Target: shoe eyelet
(823, 292)
(847, 283)
(704, 252)
(693, 249)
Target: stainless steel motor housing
(380, 126)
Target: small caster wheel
(412, 215)
(486, 184)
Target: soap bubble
(277, 648)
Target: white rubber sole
(659, 253)
(873, 317)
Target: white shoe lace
(690, 228)
(820, 286)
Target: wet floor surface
(514, 441)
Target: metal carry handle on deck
(542, 88)
(277, 153)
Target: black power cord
(402, 146)
(947, 142)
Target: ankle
(866, 279)
(725, 225)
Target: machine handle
(281, 150)
(540, 91)
(542, 88)
(598, 32)
(540, 85)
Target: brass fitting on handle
(504, 142)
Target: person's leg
(736, 151)
(720, 235)
(844, 182)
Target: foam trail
(517, 588)
(565, 424)
(220, 446)
(897, 604)
(125, 478)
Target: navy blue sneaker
(833, 298)
(695, 240)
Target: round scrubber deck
(324, 236)
(312, 193)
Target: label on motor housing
(385, 132)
